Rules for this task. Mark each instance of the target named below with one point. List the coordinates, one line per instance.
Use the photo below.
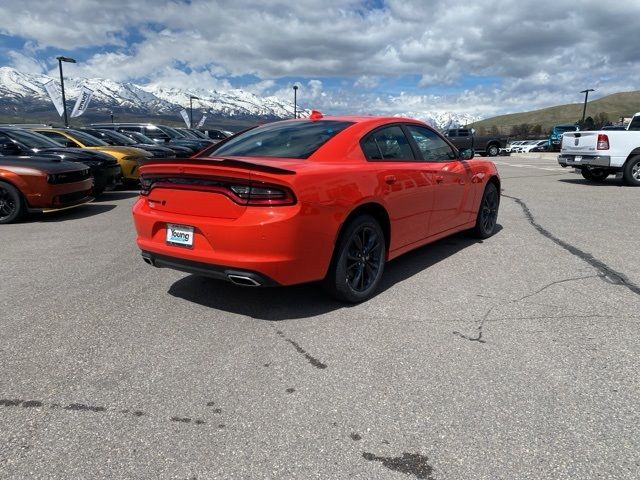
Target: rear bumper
(601, 161)
(279, 246)
(245, 278)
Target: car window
(299, 139)
(154, 133)
(389, 143)
(58, 137)
(431, 145)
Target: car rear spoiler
(223, 162)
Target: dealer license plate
(577, 158)
(181, 235)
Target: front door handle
(439, 179)
(390, 179)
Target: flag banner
(54, 94)
(185, 117)
(83, 102)
(201, 122)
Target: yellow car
(127, 157)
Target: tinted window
(58, 137)
(431, 146)
(34, 140)
(463, 133)
(298, 139)
(87, 140)
(154, 133)
(635, 123)
(387, 143)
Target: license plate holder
(179, 235)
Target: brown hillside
(623, 104)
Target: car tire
(493, 150)
(631, 172)
(595, 175)
(487, 218)
(358, 261)
(12, 205)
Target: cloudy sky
(348, 56)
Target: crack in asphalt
(81, 407)
(312, 360)
(607, 273)
(551, 284)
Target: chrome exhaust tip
(242, 280)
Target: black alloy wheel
(11, 206)
(358, 261)
(487, 218)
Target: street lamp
(295, 101)
(586, 95)
(64, 100)
(191, 99)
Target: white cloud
(539, 53)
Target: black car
(115, 138)
(161, 134)
(180, 151)
(104, 168)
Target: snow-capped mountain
(443, 120)
(22, 95)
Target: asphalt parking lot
(513, 358)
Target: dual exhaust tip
(235, 278)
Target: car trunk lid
(211, 187)
(580, 143)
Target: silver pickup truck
(602, 153)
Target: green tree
(601, 119)
(494, 130)
(515, 131)
(525, 129)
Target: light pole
(64, 100)
(295, 101)
(586, 95)
(191, 99)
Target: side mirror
(466, 154)
(10, 148)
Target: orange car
(41, 184)
(327, 199)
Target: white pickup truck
(600, 154)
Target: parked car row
(526, 146)
(44, 168)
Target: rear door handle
(439, 179)
(390, 179)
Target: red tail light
(256, 194)
(263, 195)
(603, 142)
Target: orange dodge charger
(324, 198)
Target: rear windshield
(565, 128)
(635, 123)
(283, 139)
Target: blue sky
(347, 56)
